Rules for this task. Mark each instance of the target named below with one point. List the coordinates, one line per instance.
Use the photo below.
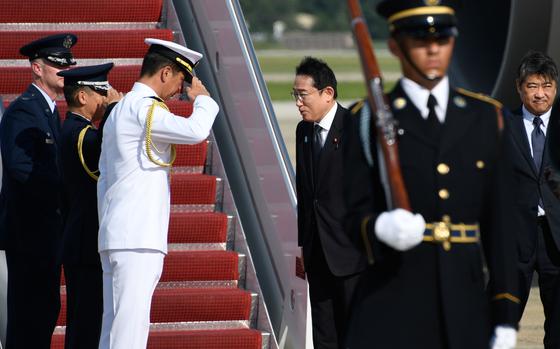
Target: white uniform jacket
(133, 192)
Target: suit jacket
(321, 207)
(30, 200)
(80, 230)
(427, 291)
(530, 181)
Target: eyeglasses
(301, 96)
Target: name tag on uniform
(49, 141)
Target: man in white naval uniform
(133, 188)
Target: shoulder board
(357, 106)
(480, 96)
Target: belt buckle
(442, 234)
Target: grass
(339, 63)
(280, 67)
(347, 90)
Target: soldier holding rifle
(428, 197)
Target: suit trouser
(546, 261)
(84, 294)
(331, 298)
(129, 280)
(33, 300)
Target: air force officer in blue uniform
(30, 200)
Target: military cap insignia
(459, 101)
(432, 2)
(399, 103)
(67, 41)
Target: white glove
(400, 229)
(505, 337)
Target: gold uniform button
(443, 169)
(480, 164)
(443, 194)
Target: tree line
(329, 15)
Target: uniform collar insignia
(460, 101)
(399, 103)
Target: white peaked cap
(184, 57)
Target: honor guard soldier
(87, 94)
(133, 188)
(31, 198)
(426, 286)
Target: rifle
(385, 122)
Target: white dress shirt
(528, 122)
(419, 96)
(133, 192)
(326, 123)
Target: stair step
(191, 157)
(91, 43)
(195, 339)
(200, 265)
(187, 227)
(215, 339)
(16, 79)
(192, 189)
(192, 304)
(187, 265)
(64, 11)
(177, 107)
(69, 27)
(205, 246)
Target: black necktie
(537, 142)
(434, 126)
(317, 144)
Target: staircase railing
(254, 157)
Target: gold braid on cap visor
(149, 143)
(420, 11)
(184, 64)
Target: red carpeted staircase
(200, 301)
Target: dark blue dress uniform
(31, 205)
(82, 266)
(435, 295)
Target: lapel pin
(335, 142)
(305, 139)
(459, 101)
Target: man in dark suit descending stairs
(537, 208)
(332, 262)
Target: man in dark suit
(426, 288)
(87, 93)
(537, 208)
(332, 263)
(31, 200)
